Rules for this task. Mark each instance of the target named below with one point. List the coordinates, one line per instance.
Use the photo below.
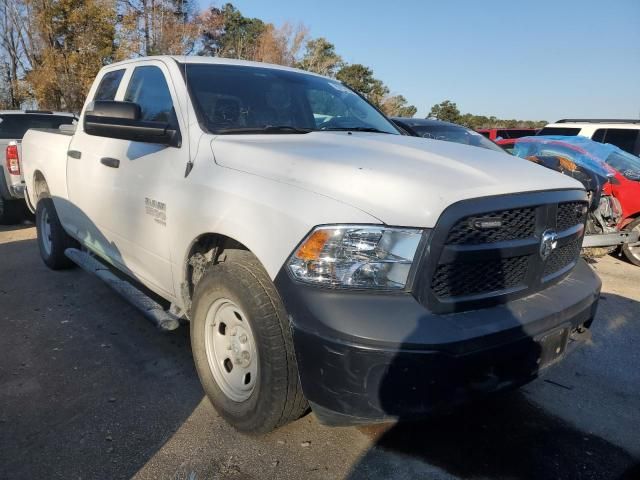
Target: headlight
(356, 256)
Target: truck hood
(400, 180)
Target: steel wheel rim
(231, 350)
(45, 227)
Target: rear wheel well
(206, 250)
(40, 187)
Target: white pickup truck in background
(322, 258)
(13, 125)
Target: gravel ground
(89, 389)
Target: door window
(624, 138)
(109, 85)
(148, 88)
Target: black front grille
(561, 257)
(463, 279)
(570, 214)
(516, 224)
(481, 255)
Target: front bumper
(365, 357)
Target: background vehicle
(449, 132)
(507, 144)
(612, 177)
(505, 133)
(322, 258)
(13, 126)
(624, 134)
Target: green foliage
(320, 57)
(361, 79)
(447, 111)
(230, 34)
(396, 106)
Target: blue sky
(537, 60)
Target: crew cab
(322, 258)
(13, 125)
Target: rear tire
(237, 299)
(52, 239)
(632, 253)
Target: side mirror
(112, 119)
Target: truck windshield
(232, 99)
(14, 125)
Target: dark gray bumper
(367, 357)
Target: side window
(624, 138)
(148, 88)
(598, 135)
(109, 85)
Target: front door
(131, 207)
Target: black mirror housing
(122, 120)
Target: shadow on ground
(511, 436)
(504, 437)
(88, 387)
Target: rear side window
(14, 126)
(623, 138)
(148, 88)
(109, 85)
(565, 131)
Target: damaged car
(612, 178)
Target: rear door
(88, 183)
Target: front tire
(632, 253)
(52, 239)
(242, 346)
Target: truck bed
(44, 151)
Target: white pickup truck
(13, 125)
(323, 259)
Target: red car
(621, 169)
(496, 134)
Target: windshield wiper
(265, 129)
(354, 129)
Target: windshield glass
(244, 99)
(451, 133)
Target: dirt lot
(89, 389)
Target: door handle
(74, 154)
(110, 162)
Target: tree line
(448, 111)
(51, 50)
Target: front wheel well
(206, 250)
